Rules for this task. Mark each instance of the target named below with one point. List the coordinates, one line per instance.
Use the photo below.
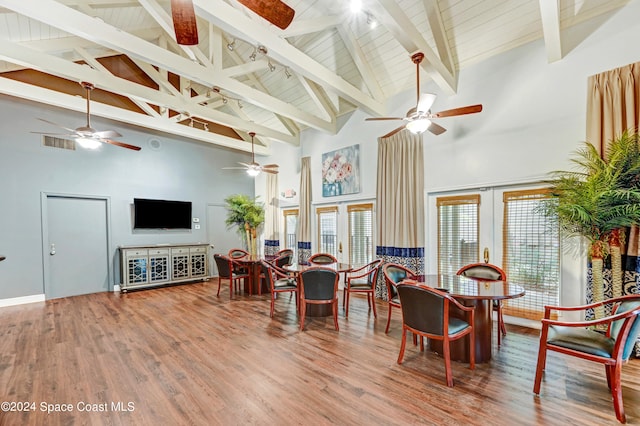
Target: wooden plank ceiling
(328, 62)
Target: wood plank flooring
(180, 355)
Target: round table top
(299, 267)
(471, 288)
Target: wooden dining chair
(426, 313)
(362, 280)
(278, 282)
(236, 253)
(611, 348)
(394, 273)
(318, 286)
(225, 267)
(322, 259)
(487, 271)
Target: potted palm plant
(247, 214)
(595, 202)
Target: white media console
(156, 265)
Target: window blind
(457, 232)
(328, 230)
(360, 233)
(290, 230)
(531, 253)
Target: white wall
(178, 170)
(534, 117)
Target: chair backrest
(266, 271)
(393, 274)
(629, 304)
(224, 265)
(322, 258)
(374, 269)
(318, 283)
(283, 259)
(483, 271)
(237, 253)
(284, 252)
(423, 309)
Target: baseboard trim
(21, 300)
(116, 288)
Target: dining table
(480, 294)
(297, 268)
(253, 284)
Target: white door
(220, 238)
(76, 252)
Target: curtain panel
(304, 212)
(400, 203)
(272, 217)
(613, 106)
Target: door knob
(52, 250)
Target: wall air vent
(58, 143)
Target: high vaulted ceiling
(327, 63)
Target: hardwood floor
(180, 355)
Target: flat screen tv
(161, 214)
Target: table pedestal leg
(483, 328)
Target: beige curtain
(272, 217)
(613, 106)
(400, 202)
(304, 212)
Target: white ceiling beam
(550, 14)
(77, 23)
(391, 15)
(318, 97)
(65, 44)
(360, 59)
(308, 26)
(76, 103)
(57, 66)
(434, 15)
(246, 68)
(231, 20)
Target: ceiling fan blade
(436, 129)
(273, 172)
(425, 102)
(244, 164)
(234, 168)
(274, 11)
(459, 111)
(270, 166)
(383, 118)
(120, 144)
(57, 125)
(58, 135)
(184, 22)
(107, 134)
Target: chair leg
(373, 302)
(403, 344)
(542, 360)
(447, 363)
(303, 308)
(346, 311)
(616, 391)
(386, 331)
(607, 369)
(335, 313)
(219, 283)
(273, 302)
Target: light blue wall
(178, 170)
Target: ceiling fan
(87, 136)
(253, 168)
(184, 18)
(419, 118)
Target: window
(360, 233)
(531, 253)
(328, 230)
(290, 230)
(457, 232)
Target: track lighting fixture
(371, 21)
(287, 72)
(253, 55)
(272, 67)
(231, 45)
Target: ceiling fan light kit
(253, 169)
(420, 118)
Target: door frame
(44, 216)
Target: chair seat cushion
(360, 284)
(581, 339)
(395, 301)
(456, 325)
(284, 284)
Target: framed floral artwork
(341, 171)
